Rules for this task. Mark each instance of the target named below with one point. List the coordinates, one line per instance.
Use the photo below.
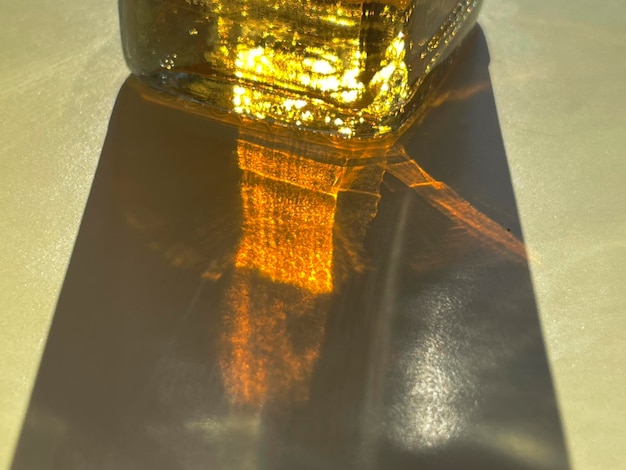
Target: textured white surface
(61, 70)
(558, 73)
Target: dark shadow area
(171, 349)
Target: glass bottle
(347, 68)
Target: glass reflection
(348, 69)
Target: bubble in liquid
(168, 62)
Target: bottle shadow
(235, 303)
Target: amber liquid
(350, 69)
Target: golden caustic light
(294, 235)
(447, 201)
(290, 194)
(272, 339)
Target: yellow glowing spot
(248, 58)
(338, 21)
(323, 67)
(349, 96)
(350, 78)
(329, 57)
(304, 79)
(326, 83)
(398, 44)
(387, 71)
(298, 104)
(338, 122)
